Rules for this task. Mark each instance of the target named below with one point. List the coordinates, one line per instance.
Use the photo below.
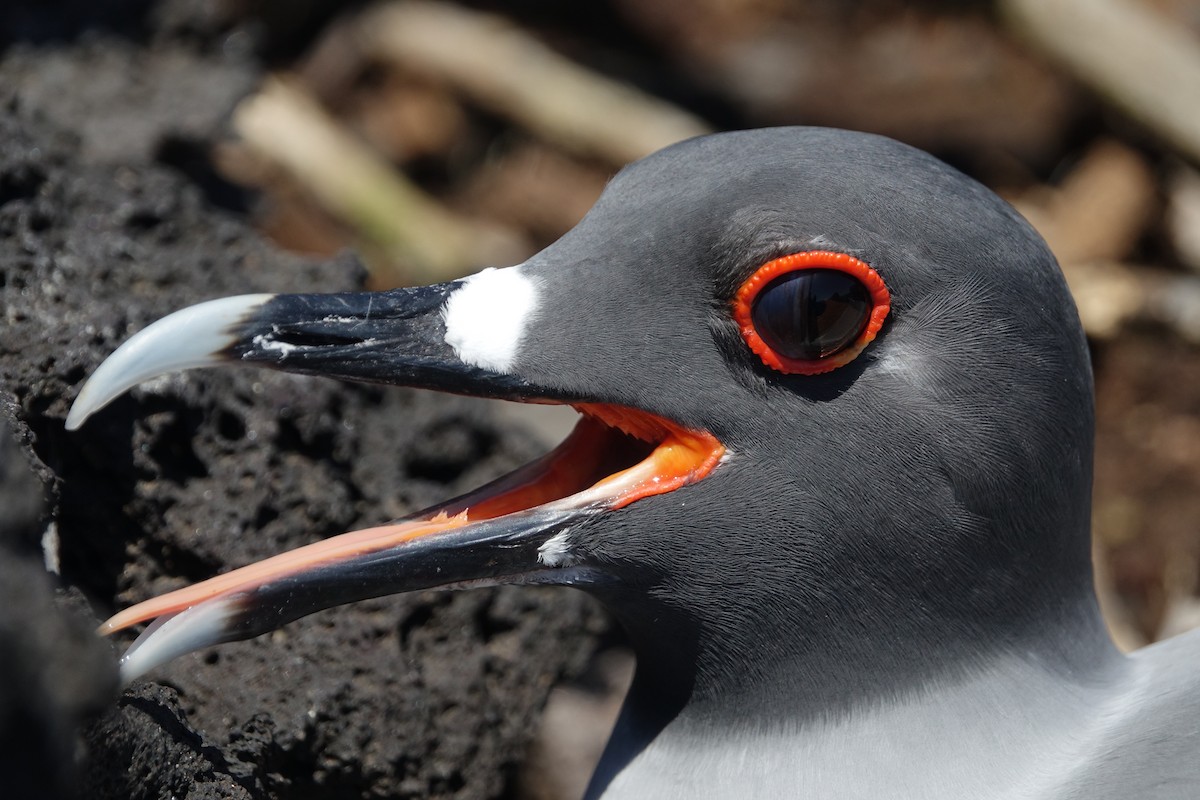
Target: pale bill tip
(174, 635)
(192, 337)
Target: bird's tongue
(614, 457)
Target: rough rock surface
(432, 695)
(53, 672)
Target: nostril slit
(308, 338)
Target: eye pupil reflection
(812, 313)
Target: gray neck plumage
(762, 658)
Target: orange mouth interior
(614, 456)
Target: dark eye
(811, 312)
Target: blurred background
(434, 138)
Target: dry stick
(1111, 295)
(416, 238)
(1133, 57)
(515, 76)
(1092, 223)
(1102, 208)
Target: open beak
(516, 529)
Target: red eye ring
(743, 304)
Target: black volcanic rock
(433, 695)
(54, 672)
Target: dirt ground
(136, 178)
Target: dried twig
(1092, 222)
(1101, 209)
(413, 238)
(516, 76)
(1127, 53)
(1111, 295)
(1183, 214)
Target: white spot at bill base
(488, 314)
